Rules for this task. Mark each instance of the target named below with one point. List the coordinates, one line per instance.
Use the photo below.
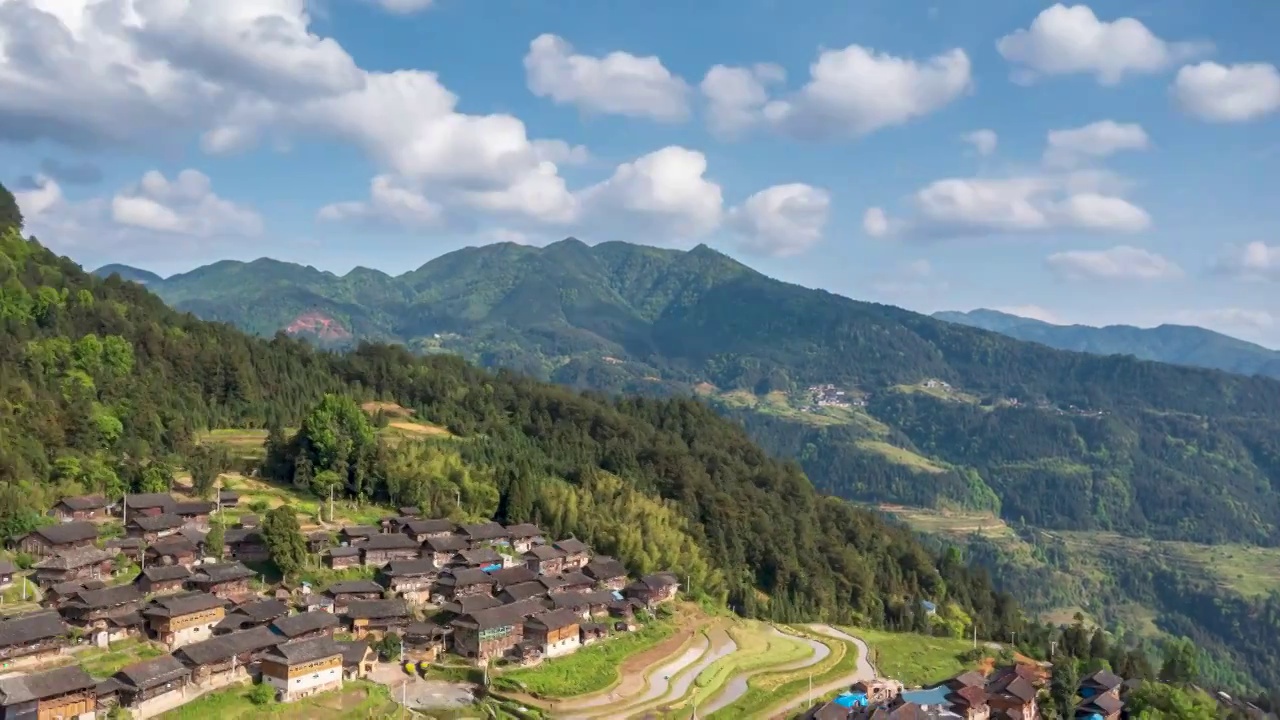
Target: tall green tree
(216, 538)
(1181, 661)
(284, 539)
(206, 462)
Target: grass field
(104, 662)
(758, 648)
(914, 659)
(591, 669)
(771, 689)
(356, 700)
(900, 456)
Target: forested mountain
(1177, 344)
(103, 388)
(932, 413)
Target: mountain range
(1177, 344)
(877, 404)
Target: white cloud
(737, 95)
(856, 91)
(968, 207)
(1228, 319)
(186, 205)
(391, 203)
(1096, 140)
(1122, 262)
(782, 220)
(1254, 261)
(983, 141)
(663, 196)
(1234, 93)
(617, 84)
(43, 194)
(404, 7)
(1065, 40)
(561, 152)
(1031, 312)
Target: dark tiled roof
(26, 688)
(223, 648)
(128, 619)
(162, 573)
(194, 507)
(262, 610)
(576, 578)
(389, 541)
(555, 619)
(523, 591)
(353, 586)
(1107, 702)
(184, 604)
(1016, 687)
(156, 523)
(152, 673)
(174, 545)
(72, 586)
(75, 558)
(64, 533)
(106, 597)
(465, 577)
(544, 552)
(481, 556)
(359, 531)
(304, 651)
(369, 609)
(249, 520)
(410, 568)
(353, 653)
(422, 527)
(7, 567)
(1104, 679)
(658, 581)
(570, 546)
(222, 572)
(509, 614)
(484, 531)
(475, 603)
(84, 502)
(603, 567)
(513, 575)
(969, 696)
(523, 531)
(409, 511)
(295, 625)
(229, 496)
(580, 600)
(445, 543)
(126, 543)
(971, 678)
(343, 552)
(551, 582)
(195, 535)
(33, 626)
(144, 501)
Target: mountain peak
(128, 272)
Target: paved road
(737, 685)
(862, 671)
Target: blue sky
(1097, 164)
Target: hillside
(917, 411)
(1176, 344)
(106, 389)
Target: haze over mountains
(878, 404)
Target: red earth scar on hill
(318, 324)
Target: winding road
(863, 670)
(737, 685)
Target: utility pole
(810, 689)
(330, 503)
(975, 635)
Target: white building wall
(330, 679)
(562, 647)
(193, 634)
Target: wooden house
(654, 589)
(544, 560)
(81, 563)
(484, 533)
(250, 615)
(56, 594)
(467, 604)
(485, 635)
(608, 573)
(132, 548)
(153, 527)
(523, 536)
(305, 625)
(67, 692)
(147, 504)
(409, 511)
(353, 534)
(382, 549)
(424, 641)
(456, 582)
(226, 580)
(228, 498)
(318, 542)
(584, 604)
(139, 684)
(483, 558)
(366, 616)
(1013, 694)
(162, 579)
(340, 558)
(513, 575)
(225, 657)
(81, 507)
(345, 592)
(249, 521)
(412, 579)
(300, 668)
(245, 545)
(556, 632)
(31, 639)
(194, 512)
(52, 539)
(179, 620)
(357, 659)
(523, 591)
(576, 553)
(442, 548)
(592, 632)
(573, 582)
(969, 703)
(175, 550)
(90, 609)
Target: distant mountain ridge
(1175, 344)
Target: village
(482, 592)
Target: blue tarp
(491, 568)
(617, 595)
(930, 696)
(851, 700)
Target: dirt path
(862, 671)
(737, 686)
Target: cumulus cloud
(617, 84)
(390, 203)
(1122, 262)
(664, 195)
(983, 141)
(1066, 40)
(974, 207)
(1096, 140)
(736, 96)
(185, 205)
(1228, 93)
(856, 91)
(782, 220)
(1254, 261)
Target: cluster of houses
(491, 593)
(1008, 693)
(829, 395)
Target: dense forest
(103, 388)
(1052, 438)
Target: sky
(1106, 163)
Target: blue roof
(929, 696)
(851, 700)
(928, 605)
(491, 568)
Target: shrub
(261, 694)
